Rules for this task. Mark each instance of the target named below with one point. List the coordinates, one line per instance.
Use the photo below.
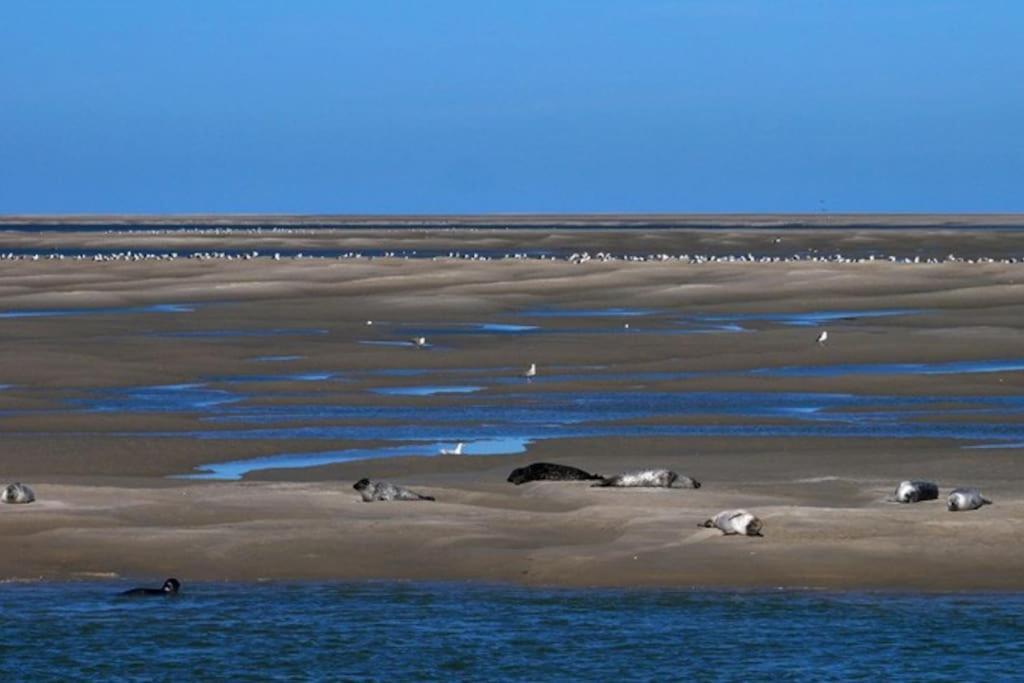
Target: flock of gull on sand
(576, 258)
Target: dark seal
(546, 471)
(170, 587)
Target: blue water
(427, 390)
(808, 318)
(948, 368)
(448, 413)
(388, 342)
(236, 469)
(508, 422)
(416, 631)
(470, 328)
(167, 398)
(290, 377)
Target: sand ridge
(106, 505)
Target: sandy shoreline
(106, 504)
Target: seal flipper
(427, 498)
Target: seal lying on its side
(17, 493)
(650, 479)
(170, 587)
(965, 499)
(382, 490)
(915, 491)
(547, 471)
(732, 522)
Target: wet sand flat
(104, 472)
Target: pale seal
(548, 471)
(17, 493)
(965, 499)
(170, 587)
(733, 522)
(650, 479)
(915, 491)
(382, 490)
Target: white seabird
(823, 337)
(531, 371)
(453, 451)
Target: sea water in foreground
(415, 631)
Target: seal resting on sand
(733, 522)
(17, 493)
(915, 491)
(382, 490)
(170, 587)
(548, 471)
(664, 479)
(965, 499)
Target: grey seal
(17, 493)
(965, 499)
(170, 587)
(733, 522)
(915, 491)
(549, 471)
(650, 479)
(382, 490)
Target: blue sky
(440, 106)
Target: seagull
(531, 371)
(823, 337)
(420, 342)
(453, 451)
(626, 326)
(369, 322)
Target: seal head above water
(914, 491)
(735, 522)
(548, 471)
(17, 493)
(382, 490)
(961, 500)
(664, 479)
(170, 587)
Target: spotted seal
(650, 479)
(170, 587)
(17, 493)
(735, 522)
(915, 491)
(548, 471)
(382, 490)
(961, 500)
